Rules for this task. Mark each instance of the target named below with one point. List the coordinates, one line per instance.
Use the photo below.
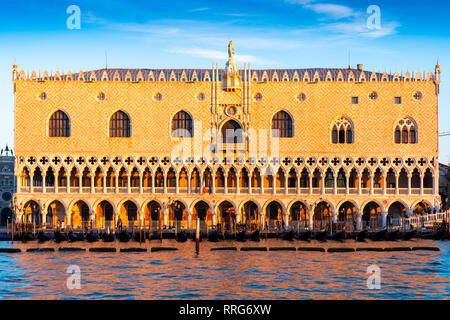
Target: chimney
(359, 67)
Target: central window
(182, 125)
(282, 125)
(59, 125)
(120, 125)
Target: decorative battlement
(312, 75)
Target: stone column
(189, 219)
(409, 183)
(188, 184)
(165, 214)
(92, 218)
(92, 184)
(213, 217)
(310, 183)
(44, 189)
(360, 175)
(286, 186)
(238, 190)
(384, 215)
(225, 183)
(128, 183)
(322, 182)
(422, 176)
(359, 223)
(397, 180)
(372, 177)
(56, 183)
(286, 220)
(104, 183)
(384, 183)
(347, 183)
(32, 183)
(80, 183)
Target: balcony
(292, 190)
(134, 189)
(341, 191)
(353, 191)
(147, 190)
(98, 189)
(403, 190)
(243, 190)
(378, 191)
(304, 190)
(268, 190)
(390, 191)
(415, 191)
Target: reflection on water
(226, 274)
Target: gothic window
(342, 131)
(182, 125)
(282, 125)
(120, 125)
(405, 131)
(59, 125)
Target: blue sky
(267, 33)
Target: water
(226, 274)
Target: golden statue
(230, 50)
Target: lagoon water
(183, 274)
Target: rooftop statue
(230, 50)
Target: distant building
(7, 184)
(444, 184)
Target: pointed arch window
(182, 126)
(342, 132)
(282, 125)
(120, 125)
(59, 125)
(406, 131)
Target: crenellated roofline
(205, 75)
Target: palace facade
(163, 147)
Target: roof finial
(230, 51)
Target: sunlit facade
(308, 146)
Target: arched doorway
(203, 212)
(422, 208)
(372, 218)
(104, 217)
(227, 215)
(274, 216)
(32, 213)
(80, 215)
(322, 216)
(129, 214)
(347, 217)
(153, 216)
(177, 215)
(396, 212)
(56, 214)
(251, 215)
(299, 216)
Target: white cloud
(212, 54)
(334, 11)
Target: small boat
(138, 238)
(393, 235)
(124, 236)
(27, 237)
(380, 235)
(406, 236)
(181, 236)
(73, 237)
(255, 236)
(108, 237)
(338, 236)
(43, 237)
(320, 236)
(304, 236)
(288, 235)
(4, 237)
(213, 236)
(241, 236)
(361, 236)
(428, 235)
(92, 237)
(59, 237)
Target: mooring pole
(197, 237)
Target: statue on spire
(230, 50)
